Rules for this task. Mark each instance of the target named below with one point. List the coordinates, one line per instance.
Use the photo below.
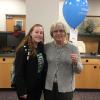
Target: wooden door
(10, 25)
(11, 22)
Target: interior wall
(44, 12)
(16, 7)
(39, 11)
(94, 10)
(94, 7)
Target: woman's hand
(24, 96)
(74, 58)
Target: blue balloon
(75, 11)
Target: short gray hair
(57, 25)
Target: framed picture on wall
(19, 24)
(90, 26)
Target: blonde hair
(58, 25)
(28, 40)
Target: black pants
(55, 95)
(34, 94)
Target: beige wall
(94, 10)
(13, 7)
(47, 11)
(94, 7)
(44, 12)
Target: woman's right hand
(24, 96)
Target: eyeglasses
(60, 31)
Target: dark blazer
(27, 76)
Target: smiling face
(37, 34)
(58, 33)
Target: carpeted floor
(79, 95)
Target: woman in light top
(63, 62)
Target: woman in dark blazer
(30, 65)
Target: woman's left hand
(74, 58)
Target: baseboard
(7, 89)
(87, 90)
